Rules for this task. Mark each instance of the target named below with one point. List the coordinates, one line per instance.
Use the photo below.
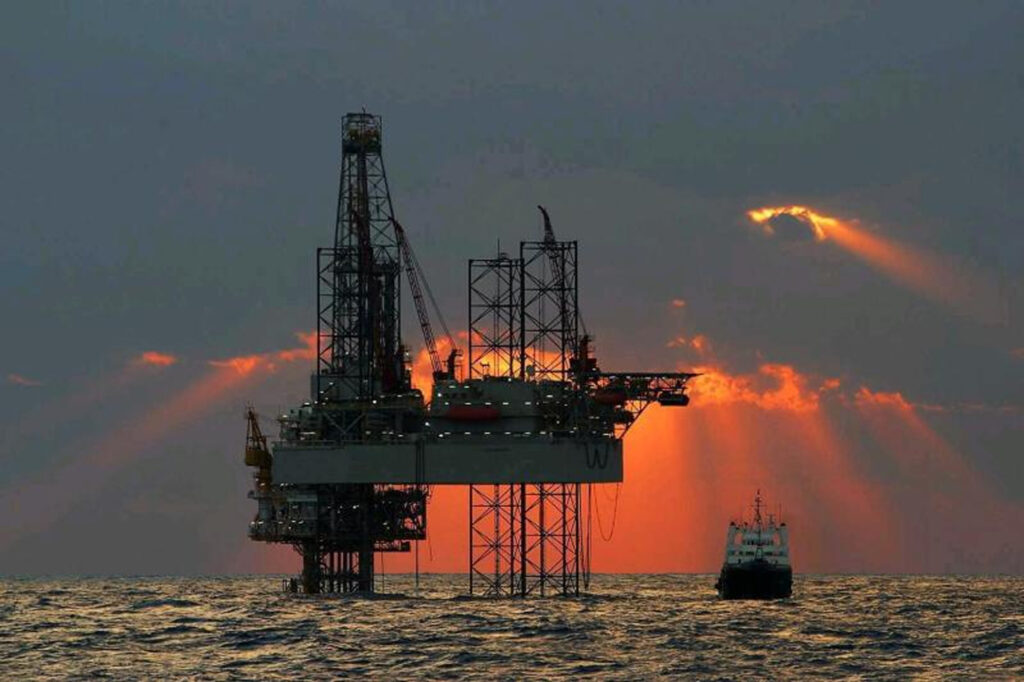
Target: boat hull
(755, 580)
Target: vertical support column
(524, 540)
(524, 551)
(492, 555)
(366, 539)
(310, 551)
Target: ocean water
(628, 627)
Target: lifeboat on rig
(673, 399)
(610, 395)
(472, 413)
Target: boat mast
(758, 524)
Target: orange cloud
(699, 343)
(154, 358)
(928, 274)
(678, 303)
(829, 385)
(817, 222)
(246, 364)
(423, 371)
(307, 351)
(268, 362)
(867, 398)
(19, 380)
(773, 387)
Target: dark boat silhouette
(756, 562)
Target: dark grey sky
(168, 171)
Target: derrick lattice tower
(361, 392)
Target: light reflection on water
(629, 627)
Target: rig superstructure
(532, 420)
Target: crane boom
(549, 233)
(415, 276)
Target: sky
(169, 170)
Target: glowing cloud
(773, 387)
(19, 380)
(268, 362)
(868, 398)
(699, 343)
(423, 372)
(928, 274)
(678, 303)
(816, 221)
(154, 358)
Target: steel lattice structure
(523, 318)
(533, 419)
(361, 391)
(525, 540)
(495, 316)
(549, 326)
(359, 311)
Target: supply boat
(756, 559)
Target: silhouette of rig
(530, 421)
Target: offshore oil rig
(527, 424)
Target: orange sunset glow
(933, 276)
(55, 491)
(776, 429)
(269, 362)
(94, 462)
(526, 341)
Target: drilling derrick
(533, 420)
(361, 396)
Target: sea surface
(628, 627)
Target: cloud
(19, 380)
(154, 358)
(865, 397)
(816, 221)
(772, 387)
(247, 364)
(896, 401)
(931, 275)
(678, 303)
(698, 342)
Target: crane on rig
(556, 257)
(415, 276)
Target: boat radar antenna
(758, 525)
